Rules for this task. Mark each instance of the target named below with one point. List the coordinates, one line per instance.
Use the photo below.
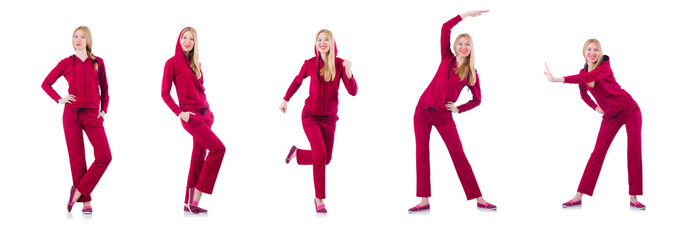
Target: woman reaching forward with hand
(617, 108)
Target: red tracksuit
(619, 109)
(431, 111)
(319, 115)
(191, 94)
(91, 91)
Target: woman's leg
(448, 131)
(607, 132)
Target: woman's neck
(323, 56)
(460, 61)
(82, 54)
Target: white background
(528, 141)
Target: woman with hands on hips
(85, 107)
(435, 108)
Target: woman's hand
(283, 106)
(347, 64)
(69, 99)
(474, 13)
(550, 77)
(599, 110)
(186, 116)
(101, 114)
(450, 106)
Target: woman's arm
(447, 31)
(474, 102)
(348, 79)
(296, 84)
(103, 87)
(600, 72)
(167, 81)
(47, 84)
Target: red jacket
(88, 85)
(446, 85)
(609, 95)
(189, 89)
(323, 95)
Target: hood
(605, 58)
(179, 55)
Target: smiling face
(79, 40)
(324, 43)
(592, 53)
(187, 41)
(463, 47)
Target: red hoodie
(323, 95)
(88, 85)
(609, 95)
(446, 85)
(189, 89)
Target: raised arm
(348, 78)
(447, 31)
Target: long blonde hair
(88, 46)
(466, 69)
(329, 69)
(193, 54)
(599, 60)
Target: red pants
(320, 133)
(422, 123)
(74, 122)
(610, 126)
(203, 171)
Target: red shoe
(572, 203)
(419, 208)
(486, 206)
(195, 209)
(320, 208)
(87, 210)
(638, 205)
(292, 150)
(72, 194)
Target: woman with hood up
(435, 108)
(617, 108)
(319, 113)
(184, 71)
(85, 108)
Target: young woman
(436, 106)
(184, 71)
(617, 108)
(85, 107)
(319, 113)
